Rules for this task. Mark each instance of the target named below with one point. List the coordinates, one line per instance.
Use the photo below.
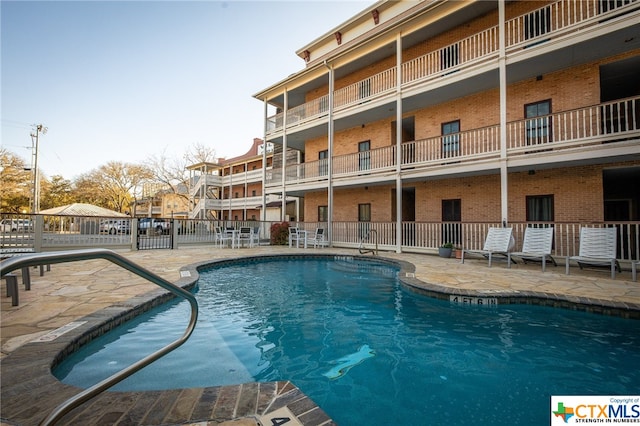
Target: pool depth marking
(282, 416)
(468, 300)
(54, 334)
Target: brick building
(231, 189)
(511, 112)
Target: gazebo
(84, 217)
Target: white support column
(264, 163)
(504, 196)
(230, 192)
(246, 191)
(283, 213)
(398, 143)
(330, 131)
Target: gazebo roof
(81, 209)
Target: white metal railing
(558, 18)
(364, 162)
(309, 110)
(431, 235)
(366, 89)
(609, 121)
(550, 21)
(461, 146)
(480, 46)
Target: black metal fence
(153, 238)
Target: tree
(172, 173)
(112, 185)
(58, 192)
(16, 187)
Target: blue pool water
(370, 352)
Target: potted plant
(457, 252)
(445, 250)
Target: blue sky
(122, 81)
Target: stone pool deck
(96, 290)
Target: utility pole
(35, 136)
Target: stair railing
(36, 259)
(362, 249)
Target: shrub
(280, 234)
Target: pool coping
(30, 392)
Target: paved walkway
(75, 290)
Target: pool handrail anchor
(362, 249)
(36, 259)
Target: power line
(15, 123)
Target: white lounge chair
(598, 248)
(536, 246)
(499, 241)
(318, 238)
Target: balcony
(572, 132)
(559, 21)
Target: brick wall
(577, 191)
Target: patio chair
(294, 236)
(256, 235)
(245, 234)
(318, 238)
(498, 242)
(222, 237)
(536, 246)
(597, 248)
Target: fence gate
(155, 238)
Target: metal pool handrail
(35, 259)
(363, 250)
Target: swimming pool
(365, 349)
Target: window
(235, 195)
(323, 213)
(323, 165)
(364, 212)
(537, 23)
(253, 193)
(540, 208)
(449, 57)
(538, 124)
(364, 155)
(450, 138)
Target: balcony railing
(468, 51)
(558, 18)
(606, 122)
(366, 89)
(593, 125)
(550, 21)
